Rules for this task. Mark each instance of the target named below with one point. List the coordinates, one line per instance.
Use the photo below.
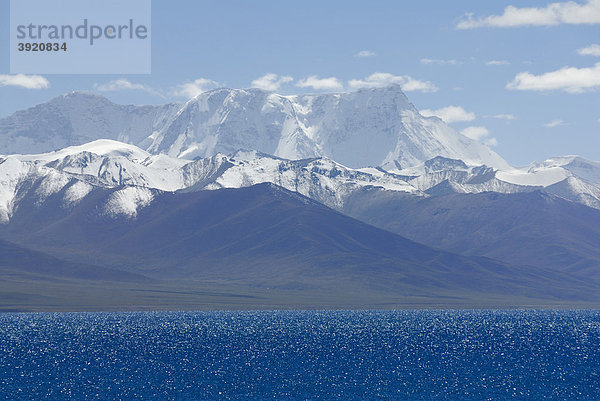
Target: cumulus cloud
(591, 50)
(24, 81)
(194, 88)
(569, 79)
(380, 79)
(497, 62)
(480, 134)
(450, 114)
(124, 84)
(568, 12)
(364, 53)
(438, 61)
(317, 83)
(554, 123)
(270, 82)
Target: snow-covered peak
(586, 169)
(541, 177)
(100, 147)
(227, 120)
(380, 127)
(111, 163)
(79, 97)
(320, 179)
(552, 171)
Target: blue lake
(357, 355)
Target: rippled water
(414, 355)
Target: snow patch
(534, 177)
(52, 182)
(76, 192)
(128, 201)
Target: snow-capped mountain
(370, 127)
(75, 171)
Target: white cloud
(476, 133)
(569, 79)
(364, 53)
(480, 134)
(24, 81)
(491, 142)
(380, 79)
(450, 114)
(317, 83)
(119, 84)
(497, 62)
(438, 61)
(194, 88)
(568, 12)
(504, 116)
(412, 84)
(270, 82)
(124, 84)
(554, 123)
(591, 50)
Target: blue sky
(522, 76)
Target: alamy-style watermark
(80, 36)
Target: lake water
(364, 355)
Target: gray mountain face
(77, 118)
(370, 127)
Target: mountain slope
(531, 228)
(25, 264)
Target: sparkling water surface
(303, 355)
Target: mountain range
(371, 127)
(337, 200)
